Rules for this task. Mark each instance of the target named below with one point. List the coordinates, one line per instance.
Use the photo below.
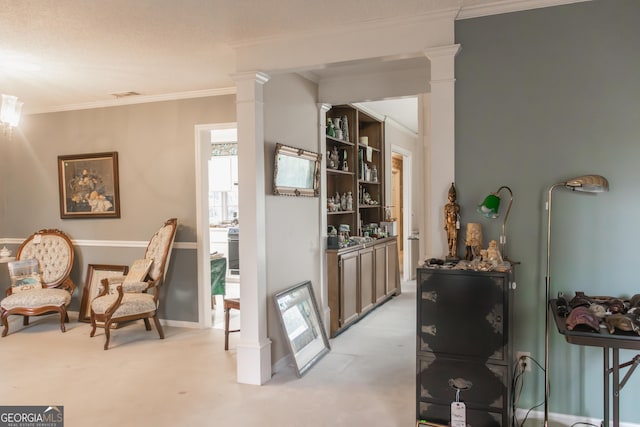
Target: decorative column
(324, 291)
(254, 349)
(439, 145)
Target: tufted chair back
(54, 251)
(159, 249)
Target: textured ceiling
(56, 53)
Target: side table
(611, 345)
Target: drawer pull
(460, 384)
(429, 329)
(430, 296)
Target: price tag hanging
(458, 414)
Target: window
(223, 178)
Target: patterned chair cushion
(156, 248)
(53, 254)
(132, 303)
(36, 298)
(116, 281)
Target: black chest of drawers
(463, 337)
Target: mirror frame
(284, 190)
(302, 297)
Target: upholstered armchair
(135, 296)
(40, 280)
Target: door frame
(203, 243)
(407, 161)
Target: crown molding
(374, 24)
(507, 6)
(140, 99)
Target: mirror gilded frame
(302, 325)
(296, 172)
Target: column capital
(323, 107)
(442, 60)
(257, 76)
(442, 51)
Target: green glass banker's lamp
(490, 208)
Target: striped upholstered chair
(40, 281)
(135, 296)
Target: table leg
(605, 421)
(616, 387)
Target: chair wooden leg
(5, 331)
(63, 316)
(158, 326)
(107, 333)
(147, 324)
(25, 320)
(226, 328)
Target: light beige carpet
(187, 379)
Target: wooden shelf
(360, 158)
(340, 172)
(339, 141)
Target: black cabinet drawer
(441, 414)
(488, 383)
(463, 314)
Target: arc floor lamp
(583, 184)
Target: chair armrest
(68, 285)
(135, 287)
(110, 283)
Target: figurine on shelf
(334, 158)
(336, 127)
(452, 223)
(343, 161)
(331, 131)
(493, 253)
(473, 243)
(345, 128)
(349, 201)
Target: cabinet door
(348, 287)
(366, 279)
(486, 383)
(393, 273)
(380, 276)
(463, 313)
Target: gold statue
(452, 223)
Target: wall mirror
(302, 325)
(296, 172)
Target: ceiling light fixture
(10, 110)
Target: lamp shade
(490, 206)
(588, 184)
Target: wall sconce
(490, 209)
(10, 110)
(584, 184)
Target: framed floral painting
(89, 185)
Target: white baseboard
(536, 418)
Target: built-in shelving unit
(355, 164)
(363, 276)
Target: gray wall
(156, 150)
(543, 96)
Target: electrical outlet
(522, 359)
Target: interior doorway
(217, 220)
(397, 204)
